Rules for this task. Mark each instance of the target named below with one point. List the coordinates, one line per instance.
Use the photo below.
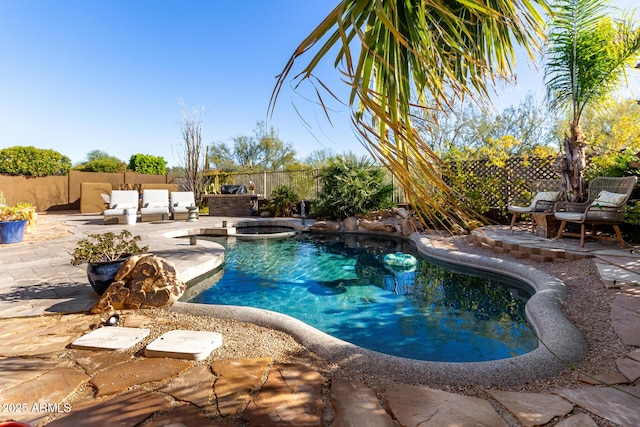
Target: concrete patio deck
(40, 379)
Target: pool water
(342, 287)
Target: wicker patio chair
(607, 198)
(546, 192)
(155, 205)
(120, 201)
(180, 202)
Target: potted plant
(104, 254)
(13, 220)
(251, 187)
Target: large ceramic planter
(102, 274)
(12, 231)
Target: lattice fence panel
(499, 183)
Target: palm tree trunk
(573, 164)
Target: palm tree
(417, 53)
(586, 59)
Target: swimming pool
(341, 286)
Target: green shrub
(352, 186)
(611, 165)
(102, 165)
(283, 201)
(31, 161)
(147, 164)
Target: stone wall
(232, 204)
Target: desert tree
(193, 152)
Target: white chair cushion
(122, 199)
(607, 198)
(182, 199)
(155, 199)
(520, 209)
(113, 212)
(547, 196)
(151, 211)
(569, 216)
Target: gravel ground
(587, 305)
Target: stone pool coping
(562, 345)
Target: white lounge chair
(180, 203)
(118, 202)
(155, 205)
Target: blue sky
(83, 75)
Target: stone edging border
(562, 344)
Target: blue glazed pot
(102, 274)
(12, 231)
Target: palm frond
(586, 54)
(418, 53)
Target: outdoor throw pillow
(548, 196)
(607, 198)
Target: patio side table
(546, 224)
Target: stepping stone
(191, 345)
(136, 372)
(95, 361)
(630, 368)
(52, 387)
(630, 264)
(609, 378)
(532, 409)
(628, 301)
(16, 370)
(356, 404)
(238, 380)
(127, 409)
(422, 406)
(111, 338)
(616, 274)
(635, 355)
(195, 386)
(619, 404)
(36, 345)
(292, 396)
(626, 323)
(188, 415)
(580, 420)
